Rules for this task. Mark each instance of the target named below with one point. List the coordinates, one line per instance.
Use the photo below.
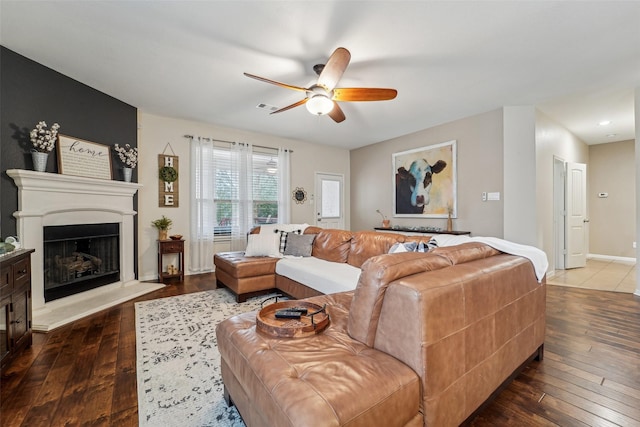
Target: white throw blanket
(537, 257)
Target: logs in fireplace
(80, 257)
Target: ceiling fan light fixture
(319, 104)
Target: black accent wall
(31, 92)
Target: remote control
(302, 310)
(287, 314)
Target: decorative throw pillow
(270, 228)
(433, 243)
(403, 247)
(299, 244)
(283, 237)
(263, 245)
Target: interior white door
(576, 217)
(329, 200)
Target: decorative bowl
(176, 237)
(5, 248)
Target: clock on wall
(299, 195)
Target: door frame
(318, 196)
(559, 212)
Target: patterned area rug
(178, 364)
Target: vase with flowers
(385, 222)
(43, 140)
(129, 157)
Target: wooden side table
(170, 247)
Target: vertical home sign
(168, 189)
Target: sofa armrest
(464, 329)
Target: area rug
(178, 364)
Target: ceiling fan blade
(288, 107)
(273, 82)
(334, 68)
(337, 114)
(363, 94)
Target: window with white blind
(264, 199)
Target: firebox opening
(78, 258)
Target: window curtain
(242, 212)
(203, 209)
(284, 184)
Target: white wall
(552, 139)
(612, 220)
(156, 131)
(637, 149)
(480, 152)
(520, 216)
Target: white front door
(329, 200)
(576, 217)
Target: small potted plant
(163, 225)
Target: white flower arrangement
(128, 155)
(44, 139)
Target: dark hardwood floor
(85, 373)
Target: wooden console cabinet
(15, 305)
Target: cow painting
(413, 185)
(424, 181)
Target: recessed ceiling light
(605, 122)
(611, 135)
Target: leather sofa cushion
(366, 244)
(237, 265)
(376, 275)
(332, 245)
(324, 380)
(465, 252)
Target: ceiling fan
(321, 97)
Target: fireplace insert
(80, 257)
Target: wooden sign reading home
(168, 181)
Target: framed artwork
(78, 157)
(424, 182)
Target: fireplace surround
(48, 199)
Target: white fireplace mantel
(48, 199)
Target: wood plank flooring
(84, 374)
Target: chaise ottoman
(245, 276)
(328, 379)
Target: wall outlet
(634, 245)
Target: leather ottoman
(245, 276)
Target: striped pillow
(283, 238)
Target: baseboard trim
(611, 258)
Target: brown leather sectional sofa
(248, 276)
(424, 339)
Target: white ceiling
(578, 62)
